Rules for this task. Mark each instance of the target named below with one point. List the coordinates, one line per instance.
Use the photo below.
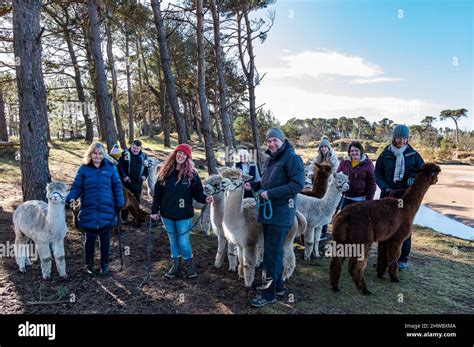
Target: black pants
(136, 189)
(406, 247)
(104, 240)
(274, 240)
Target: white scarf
(400, 163)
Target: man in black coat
(133, 171)
(282, 179)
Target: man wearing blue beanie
(395, 171)
(282, 179)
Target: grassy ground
(439, 279)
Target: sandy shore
(453, 195)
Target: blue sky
(380, 58)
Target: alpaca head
(429, 172)
(56, 192)
(340, 181)
(323, 169)
(212, 185)
(233, 179)
(152, 163)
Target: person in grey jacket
(282, 180)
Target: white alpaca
(45, 224)
(319, 212)
(213, 186)
(241, 227)
(153, 165)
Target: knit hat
(325, 142)
(185, 148)
(115, 152)
(275, 132)
(401, 130)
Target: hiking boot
(174, 271)
(260, 301)
(191, 269)
(105, 270)
(402, 266)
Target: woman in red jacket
(360, 170)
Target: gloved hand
(410, 181)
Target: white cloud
(317, 63)
(375, 80)
(288, 101)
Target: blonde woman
(98, 184)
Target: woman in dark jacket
(395, 171)
(282, 180)
(98, 184)
(360, 170)
(177, 185)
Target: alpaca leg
(59, 258)
(309, 242)
(21, 244)
(355, 269)
(335, 272)
(289, 263)
(249, 265)
(221, 243)
(44, 253)
(317, 235)
(28, 255)
(232, 256)
(240, 255)
(381, 258)
(394, 249)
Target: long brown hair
(187, 169)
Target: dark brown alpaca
(320, 182)
(387, 221)
(138, 214)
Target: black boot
(191, 269)
(174, 271)
(90, 268)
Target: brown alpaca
(387, 221)
(320, 182)
(138, 214)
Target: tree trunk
(3, 120)
(147, 80)
(34, 150)
(111, 61)
(197, 123)
(142, 96)
(223, 109)
(168, 73)
(250, 76)
(131, 132)
(167, 120)
(92, 74)
(79, 87)
(102, 90)
(206, 124)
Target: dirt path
(453, 195)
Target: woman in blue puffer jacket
(97, 183)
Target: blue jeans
(346, 202)
(274, 240)
(104, 241)
(178, 233)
